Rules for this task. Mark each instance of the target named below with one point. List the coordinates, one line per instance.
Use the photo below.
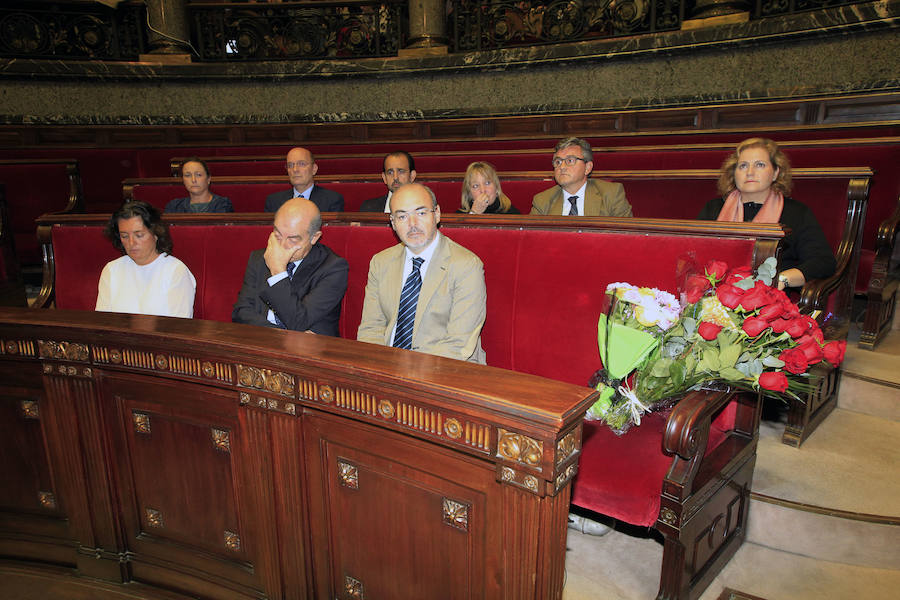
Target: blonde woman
(481, 193)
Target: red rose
(754, 326)
(797, 327)
(790, 310)
(708, 331)
(834, 352)
(716, 268)
(779, 325)
(773, 380)
(737, 274)
(695, 287)
(794, 361)
(729, 295)
(759, 295)
(772, 311)
(813, 351)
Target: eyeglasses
(403, 217)
(301, 164)
(569, 160)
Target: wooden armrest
(887, 233)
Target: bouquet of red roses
(733, 329)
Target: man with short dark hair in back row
(301, 168)
(397, 168)
(575, 194)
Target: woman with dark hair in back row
(147, 279)
(196, 180)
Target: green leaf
(729, 354)
(709, 361)
(661, 367)
(731, 374)
(772, 361)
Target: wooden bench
(35, 186)
(703, 453)
(881, 295)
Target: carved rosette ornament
(452, 428)
(668, 516)
(519, 448)
(349, 475)
(154, 517)
(386, 409)
(141, 422)
(162, 363)
(221, 440)
(47, 500)
(353, 588)
(30, 409)
(63, 350)
(326, 393)
(456, 514)
(232, 541)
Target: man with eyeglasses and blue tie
(296, 282)
(575, 194)
(427, 293)
(301, 168)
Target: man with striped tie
(427, 293)
(296, 282)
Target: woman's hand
(791, 278)
(480, 203)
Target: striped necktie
(290, 271)
(573, 212)
(406, 314)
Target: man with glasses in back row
(301, 169)
(575, 194)
(427, 293)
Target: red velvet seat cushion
(621, 476)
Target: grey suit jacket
(327, 200)
(452, 304)
(601, 199)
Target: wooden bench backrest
(545, 281)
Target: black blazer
(309, 300)
(373, 204)
(326, 200)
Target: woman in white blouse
(147, 280)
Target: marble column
(427, 25)
(168, 32)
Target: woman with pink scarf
(755, 182)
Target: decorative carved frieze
(232, 541)
(567, 446)
(30, 409)
(353, 588)
(17, 347)
(154, 517)
(275, 382)
(522, 480)
(141, 422)
(456, 514)
(386, 409)
(47, 500)
(349, 474)
(519, 448)
(221, 439)
(182, 365)
(63, 350)
(565, 476)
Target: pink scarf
(733, 209)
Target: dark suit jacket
(326, 200)
(373, 204)
(218, 204)
(309, 300)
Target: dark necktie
(573, 212)
(406, 314)
(290, 271)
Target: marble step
(836, 498)
(870, 379)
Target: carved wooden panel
(397, 512)
(182, 483)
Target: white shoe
(587, 526)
